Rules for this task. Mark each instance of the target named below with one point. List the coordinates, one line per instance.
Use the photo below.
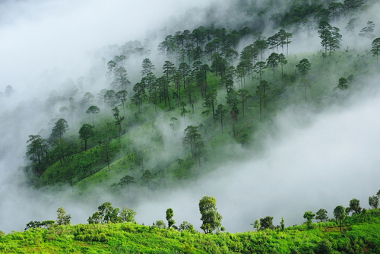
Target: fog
(310, 160)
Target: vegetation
(209, 96)
(112, 231)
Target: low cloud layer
(312, 161)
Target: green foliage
(360, 237)
(340, 214)
(211, 219)
(309, 216)
(321, 215)
(127, 215)
(62, 217)
(354, 206)
(86, 132)
(373, 202)
(266, 223)
(169, 217)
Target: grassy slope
(357, 237)
(323, 78)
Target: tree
(220, 113)
(342, 84)
(273, 42)
(126, 181)
(62, 217)
(169, 217)
(106, 150)
(210, 100)
(108, 214)
(352, 5)
(93, 110)
(376, 48)
(325, 34)
(8, 91)
(192, 136)
(185, 70)
(199, 148)
(261, 94)
(335, 9)
(266, 223)
(244, 95)
(118, 118)
(37, 148)
(147, 178)
(121, 78)
(282, 223)
(218, 65)
(110, 98)
(177, 77)
(172, 122)
(354, 206)
(259, 67)
(139, 96)
(243, 68)
(272, 62)
(147, 66)
(56, 136)
(282, 61)
(60, 127)
(334, 40)
(87, 99)
(183, 110)
(261, 45)
(373, 202)
(256, 225)
(127, 215)
(233, 102)
(309, 216)
(340, 215)
(211, 219)
(160, 224)
(303, 68)
(122, 97)
(351, 26)
(169, 70)
(86, 132)
(186, 226)
(321, 215)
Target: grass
(361, 237)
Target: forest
(197, 100)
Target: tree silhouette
(220, 113)
(86, 132)
(93, 110)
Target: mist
(310, 160)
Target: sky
(310, 160)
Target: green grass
(361, 237)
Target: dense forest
(207, 98)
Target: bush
(324, 247)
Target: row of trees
(211, 219)
(340, 214)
